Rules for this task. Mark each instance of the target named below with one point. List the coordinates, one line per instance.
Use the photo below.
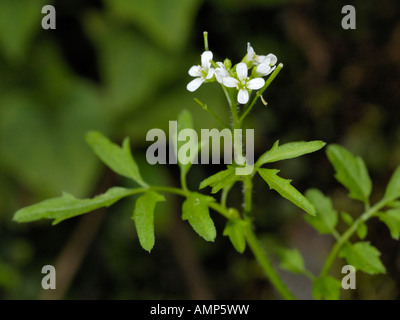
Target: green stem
(346, 236)
(266, 265)
(247, 190)
(225, 192)
(183, 181)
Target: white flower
(203, 72)
(221, 72)
(243, 83)
(264, 65)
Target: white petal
(263, 69)
(241, 70)
(273, 59)
(220, 74)
(195, 71)
(194, 84)
(206, 56)
(243, 96)
(230, 82)
(210, 73)
(255, 84)
(262, 59)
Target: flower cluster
(234, 77)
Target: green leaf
(326, 216)
(289, 150)
(286, 190)
(67, 206)
(195, 210)
(220, 179)
(326, 287)
(143, 215)
(364, 257)
(235, 230)
(291, 260)
(392, 220)
(351, 172)
(119, 159)
(362, 230)
(347, 218)
(393, 189)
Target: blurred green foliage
(120, 67)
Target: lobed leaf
(364, 257)
(220, 180)
(118, 159)
(286, 190)
(326, 216)
(235, 230)
(67, 206)
(392, 220)
(143, 215)
(195, 210)
(350, 172)
(393, 189)
(289, 150)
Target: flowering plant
(243, 84)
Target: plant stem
(247, 191)
(267, 267)
(183, 181)
(346, 236)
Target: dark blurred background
(120, 67)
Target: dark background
(120, 67)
